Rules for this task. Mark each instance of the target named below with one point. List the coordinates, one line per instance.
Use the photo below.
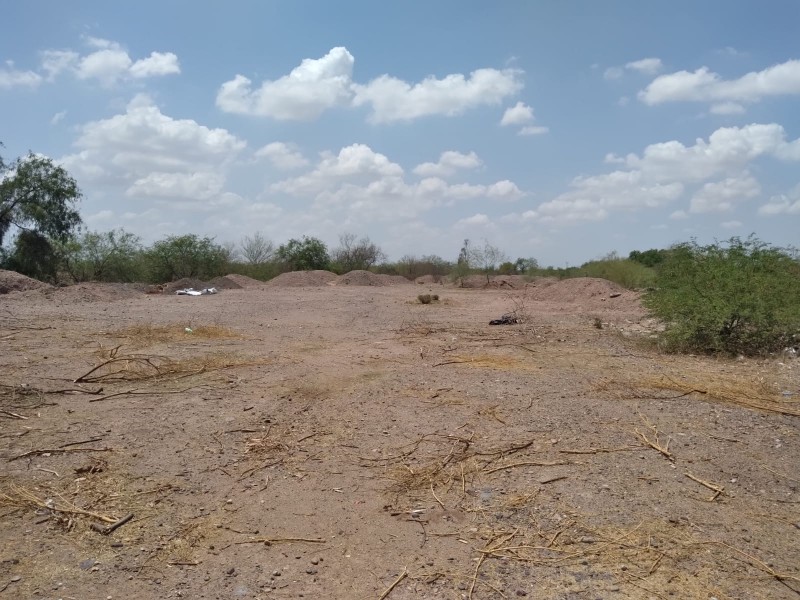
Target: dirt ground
(347, 442)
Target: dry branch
(58, 451)
(395, 583)
(717, 489)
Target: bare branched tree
(353, 254)
(485, 257)
(256, 249)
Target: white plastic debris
(194, 292)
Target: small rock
(311, 571)
(231, 571)
(315, 561)
(87, 564)
(522, 593)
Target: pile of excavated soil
(224, 283)
(89, 292)
(508, 282)
(11, 281)
(242, 281)
(304, 279)
(589, 292)
(186, 282)
(366, 278)
(430, 279)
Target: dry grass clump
(428, 298)
(748, 392)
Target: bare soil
(346, 441)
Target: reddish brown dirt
(328, 441)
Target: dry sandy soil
(341, 440)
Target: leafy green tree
(353, 254)
(526, 266)
(649, 258)
(738, 297)
(34, 255)
(185, 256)
(36, 195)
(307, 254)
(108, 256)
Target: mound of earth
(303, 279)
(91, 291)
(224, 283)
(588, 292)
(495, 282)
(184, 283)
(243, 281)
(394, 279)
(428, 279)
(363, 278)
(11, 281)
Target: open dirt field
(347, 442)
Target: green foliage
(353, 254)
(307, 254)
(34, 255)
(507, 268)
(185, 256)
(526, 266)
(739, 297)
(627, 273)
(649, 258)
(108, 256)
(36, 195)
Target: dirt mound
(224, 283)
(303, 279)
(508, 282)
(394, 280)
(363, 278)
(429, 279)
(243, 281)
(11, 281)
(89, 292)
(589, 292)
(186, 282)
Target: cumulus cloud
(449, 162)
(519, 114)
(108, 63)
(282, 156)
(665, 172)
(782, 204)
(153, 155)
(478, 219)
(358, 183)
(393, 99)
(721, 196)
(320, 84)
(11, 78)
(302, 95)
(522, 114)
(703, 85)
(647, 66)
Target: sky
(559, 130)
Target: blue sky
(556, 130)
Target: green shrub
(739, 297)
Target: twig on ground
(270, 541)
(527, 463)
(395, 583)
(113, 526)
(655, 444)
(717, 489)
(89, 441)
(58, 451)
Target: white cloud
(679, 215)
(478, 219)
(151, 154)
(533, 130)
(519, 114)
(393, 99)
(58, 117)
(282, 156)
(11, 78)
(648, 66)
(449, 162)
(158, 63)
(359, 185)
(704, 85)
(783, 204)
(727, 108)
(55, 62)
(109, 63)
(721, 196)
(665, 171)
(310, 89)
